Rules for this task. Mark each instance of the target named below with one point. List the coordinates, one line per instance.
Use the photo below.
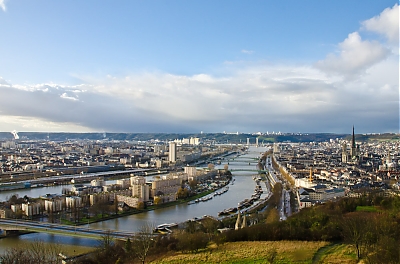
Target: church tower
(353, 151)
(344, 152)
(388, 158)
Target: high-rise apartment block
(172, 152)
(190, 171)
(139, 188)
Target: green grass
(250, 252)
(335, 253)
(307, 252)
(266, 139)
(366, 209)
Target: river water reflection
(242, 188)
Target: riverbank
(99, 218)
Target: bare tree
(107, 241)
(15, 256)
(357, 230)
(192, 242)
(107, 250)
(210, 226)
(37, 253)
(143, 242)
(115, 206)
(45, 253)
(193, 184)
(272, 215)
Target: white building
(16, 208)
(54, 205)
(108, 150)
(8, 144)
(137, 180)
(31, 209)
(172, 152)
(124, 183)
(73, 201)
(160, 148)
(139, 188)
(99, 198)
(141, 191)
(166, 188)
(190, 171)
(276, 148)
(304, 182)
(194, 141)
(97, 182)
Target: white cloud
(386, 23)
(3, 4)
(33, 124)
(247, 51)
(66, 96)
(355, 55)
(249, 96)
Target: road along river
(243, 167)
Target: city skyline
(199, 66)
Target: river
(242, 188)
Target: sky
(190, 66)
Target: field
(366, 209)
(252, 252)
(336, 254)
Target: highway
(285, 207)
(89, 175)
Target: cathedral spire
(353, 151)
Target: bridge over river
(15, 226)
(251, 170)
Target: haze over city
(178, 66)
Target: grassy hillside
(264, 252)
(375, 137)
